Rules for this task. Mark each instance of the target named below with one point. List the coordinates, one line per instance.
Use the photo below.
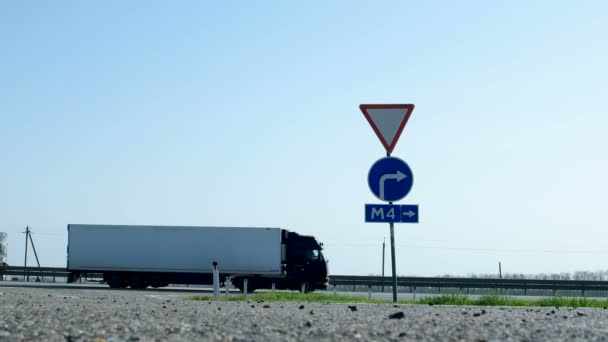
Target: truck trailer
(156, 256)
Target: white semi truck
(156, 256)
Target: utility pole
(383, 248)
(27, 235)
(36, 254)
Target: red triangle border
(410, 109)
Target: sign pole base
(392, 225)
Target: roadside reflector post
(303, 287)
(216, 280)
(369, 292)
(245, 287)
(227, 285)
(272, 287)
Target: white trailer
(139, 256)
(174, 249)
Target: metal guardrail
(38, 272)
(411, 282)
(20, 271)
(473, 283)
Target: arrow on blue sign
(398, 176)
(390, 179)
(387, 213)
(409, 213)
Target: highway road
(61, 312)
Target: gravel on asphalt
(64, 314)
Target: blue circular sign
(390, 179)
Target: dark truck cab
(305, 267)
(305, 262)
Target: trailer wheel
(116, 281)
(155, 281)
(137, 281)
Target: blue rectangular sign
(391, 213)
(382, 213)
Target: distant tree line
(601, 275)
(2, 247)
(577, 275)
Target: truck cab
(305, 265)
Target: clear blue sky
(246, 114)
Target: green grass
(573, 302)
(291, 297)
(446, 299)
(500, 300)
(485, 300)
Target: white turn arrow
(399, 176)
(409, 213)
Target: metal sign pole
(392, 225)
(383, 248)
(394, 264)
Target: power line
(474, 249)
(45, 234)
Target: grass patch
(446, 299)
(485, 300)
(291, 297)
(572, 302)
(500, 300)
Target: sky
(247, 114)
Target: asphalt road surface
(94, 313)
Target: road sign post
(393, 262)
(389, 179)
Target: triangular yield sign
(388, 121)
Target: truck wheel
(137, 281)
(155, 281)
(116, 281)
